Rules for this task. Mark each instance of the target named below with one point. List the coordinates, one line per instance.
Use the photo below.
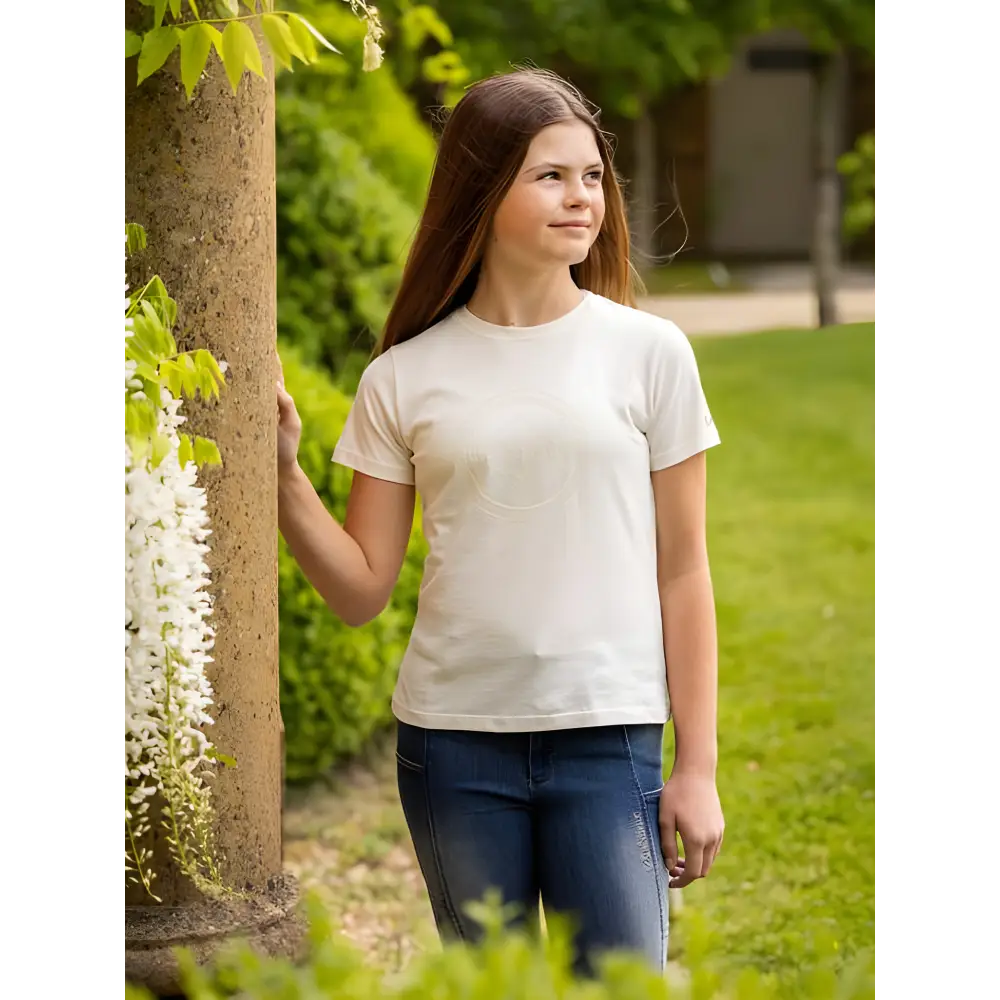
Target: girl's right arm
(354, 568)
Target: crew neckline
(472, 322)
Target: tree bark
(828, 79)
(642, 204)
(200, 177)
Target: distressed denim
(569, 816)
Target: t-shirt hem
(351, 459)
(638, 715)
(675, 456)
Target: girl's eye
(594, 175)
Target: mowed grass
(791, 533)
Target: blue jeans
(570, 816)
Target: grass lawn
(792, 544)
(791, 515)
(683, 277)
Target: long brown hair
(481, 149)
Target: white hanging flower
(167, 635)
(372, 58)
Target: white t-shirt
(531, 449)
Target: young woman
(556, 436)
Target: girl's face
(554, 209)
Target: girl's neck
(509, 297)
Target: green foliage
(336, 681)
(343, 232)
(858, 166)
(287, 35)
(632, 52)
(135, 238)
(150, 315)
(828, 24)
(371, 108)
(507, 965)
(353, 164)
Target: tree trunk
(200, 178)
(642, 203)
(828, 79)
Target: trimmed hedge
(336, 681)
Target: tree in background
(832, 27)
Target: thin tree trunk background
(828, 80)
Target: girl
(556, 436)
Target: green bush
(336, 681)
(343, 232)
(373, 109)
(505, 966)
(353, 161)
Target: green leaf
(133, 43)
(137, 350)
(239, 49)
(147, 371)
(156, 47)
(210, 375)
(194, 9)
(153, 328)
(171, 377)
(207, 359)
(445, 67)
(206, 452)
(294, 19)
(212, 754)
(148, 331)
(195, 46)
(302, 36)
(175, 9)
(161, 448)
(135, 238)
(281, 40)
(206, 385)
(419, 22)
(185, 453)
(159, 9)
(164, 306)
(228, 8)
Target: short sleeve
(679, 422)
(372, 441)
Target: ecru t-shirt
(531, 449)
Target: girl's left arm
(689, 804)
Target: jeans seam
(445, 893)
(660, 888)
(409, 763)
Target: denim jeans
(569, 816)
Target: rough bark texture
(643, 195)
(826, 251)
(200, 177)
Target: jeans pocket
(411, 746)
(644, 746)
